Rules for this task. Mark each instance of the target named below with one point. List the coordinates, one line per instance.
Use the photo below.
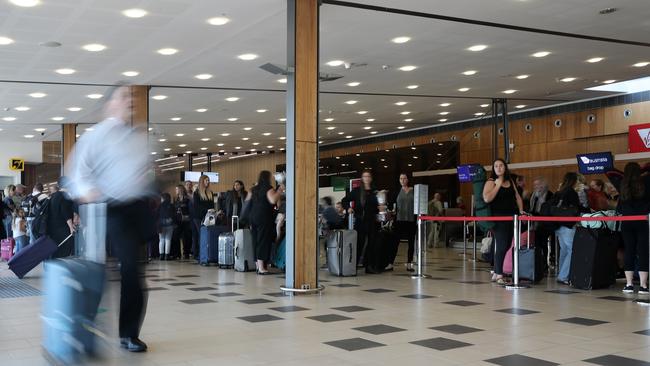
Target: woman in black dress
(183, 229)
(263, 199)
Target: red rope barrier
(534, 218)
(466, 218)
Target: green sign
(340, 184)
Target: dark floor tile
(562, 292)
(441, 344)
(255, 301)
(197, 301)
(517, 311)
(329, 318)
(226, 294)
(343, 285)
(187, 276)
(163, 279)
(379, 290)
(207, 288)
(276, 294)
(351, 309)
(463, 303)
(289, 309)
(643, 332)
(227, 283)
(612, 360)
(474, 282)
(418, 296)
(456, 329)
(437, 278)
(259, 318)
(582, 321)
(519, 360)
(181, 284)
(615, 298)
(354, 344)
(379, 329)
(156, 288)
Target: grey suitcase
(342, 253)
(227, 246)
(244, 251)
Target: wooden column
(302, 144)
(69, 138)
(140, 99)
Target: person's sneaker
(389, 267)
(133, 344)
(643, 291)
(410, 267)
(629, 289)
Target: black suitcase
(593, 259)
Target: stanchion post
(421, 194)
(515, 264)
(646, 302)
(474, 242)
(464, 238)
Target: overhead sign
(467, 172)
(596, 163)
(638, 139)
(17, 164)
(355, 183)
(340, 183)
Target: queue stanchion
(464, 239)
(639, 301)
(419, 273)
(474, 242)
(515, 285)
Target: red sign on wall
(639, 138)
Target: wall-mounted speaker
(591, 118)
(557, 123)
(528, 127)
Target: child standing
(19, 228)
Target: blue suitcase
(73, 291)
(209, 244)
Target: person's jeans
(165, 243)
(7, 224)
(21, 242)
(565, 236)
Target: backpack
(41, 213)
(27, 204)
(481, 208)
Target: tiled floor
(224, 317)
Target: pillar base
(300, 291)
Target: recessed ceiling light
(255, 143)
(94, 96)
(341, 133)
(233, 119)
(248, 128)
(282, 119)
(443, 113)
(57, 119)
(368, 128)
(400, 39)
(408, 120)
(220, 144)
(134, 13)
(218, 21)
(225, 134)
(232, 99)
(77, 135)
(200, 128)
(351, 102)
(329, 119)
(150, 128)
(405, 113)
(182, 145)
(65, 71)
(595, 59)
(167, 51)
(176, 118)
(348, 136)
(509, 91)
(237, 147)
(282, 81)
(520, 106)
(408, 68)
(28, 136)
(541, 54)
(479, 114)
(248, 56)
(412, 87)
(203, 76)
(362, 112)
(567, 79)
(269, 146)
(25, 3)
(167, 149)
(470, 72)
(38, 95)
(522, 77)
(641, 64)
(159, 97)
(162, 140)
(335, 63)
(22, 109)
(354, 83)
(261, 110)
(400, 103)
(442, 120)
(370, 119)
(89, 129)
(283, 138)
(130, 73)
(444, 104)
(5, 41)
(373, 132)
(94, 47)
(484, 105)
(180, 134)
(401, 127)
(74, 109)
(201, 110)
(477, 48)
(462, 90)
(609, 81)
(9, 119)
(245, 138)
(204, 148)
(267, 134)
(331, 127)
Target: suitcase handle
(350, 253)
(232, 225)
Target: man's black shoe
(133, 344)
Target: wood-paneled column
(302, 144)
(69, 138)
(140, 100)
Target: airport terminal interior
(324, 94)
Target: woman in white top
(19, 229)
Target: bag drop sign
(16, 164)
(639, 138)
(596, 163)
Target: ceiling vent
(282, 70)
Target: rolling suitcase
(227, 246)
(7, 248)
(244, 251)
(209, 244)
(342, 253)
(593, 258)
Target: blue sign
(595, 163)
(467, 172)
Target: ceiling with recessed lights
(427, 71)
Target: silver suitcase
(244, 251)
(227, 246)
(342, 253)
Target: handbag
(210, 218)
(486, 243)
